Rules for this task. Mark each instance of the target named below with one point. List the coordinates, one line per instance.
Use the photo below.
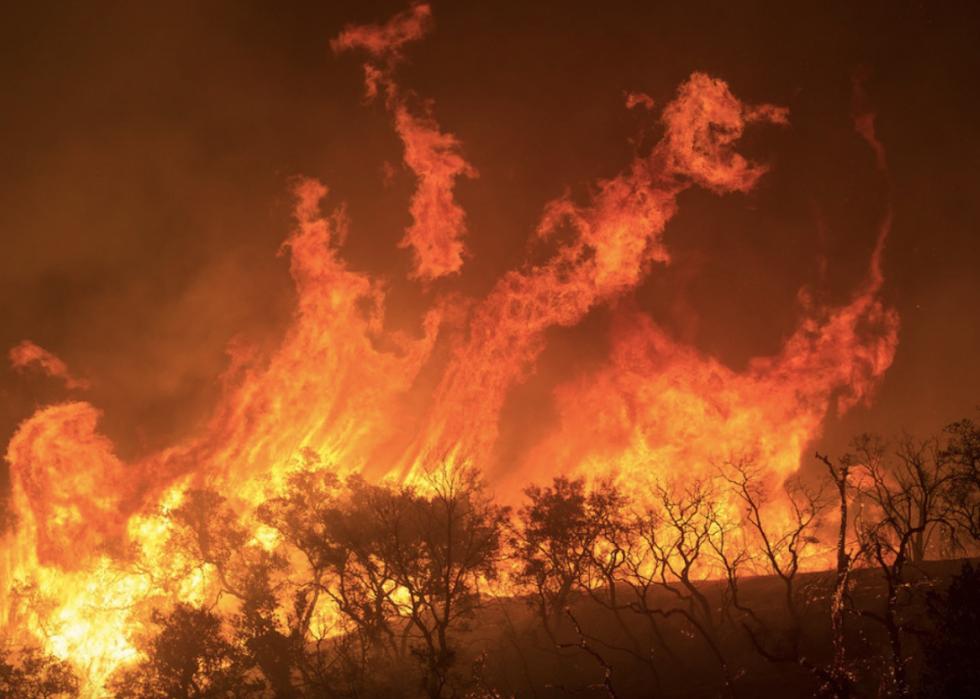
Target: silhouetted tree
(905, 504)
(339, 635)
(440, 540)
(962, 450)
(841, 675)
(607, 685)
(558, 541)
(952, 650)
(278, 652)
(28, 672)
(304, 515)
(679, 541)
(211, 538)
(208, 535)
(364, 581)
(401, 564)
(904, 509)
(784, 534)
(343, 578)
(189, 658)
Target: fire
(342, 391)
(27, 354)
(433, 156)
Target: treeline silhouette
(850, 583)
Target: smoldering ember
(497, 351)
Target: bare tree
(905, 511)
(841, 675)
(784, 540)
(607, 669)
(906, 508)
(679, 542)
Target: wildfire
(89, 549)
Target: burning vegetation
(339, 527)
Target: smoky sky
(148, 151)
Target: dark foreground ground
(627, 653)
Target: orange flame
(432, 155)
(361, 398)
(28, 354)
(618, 239)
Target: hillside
(663, 656)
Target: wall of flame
(363, 397)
